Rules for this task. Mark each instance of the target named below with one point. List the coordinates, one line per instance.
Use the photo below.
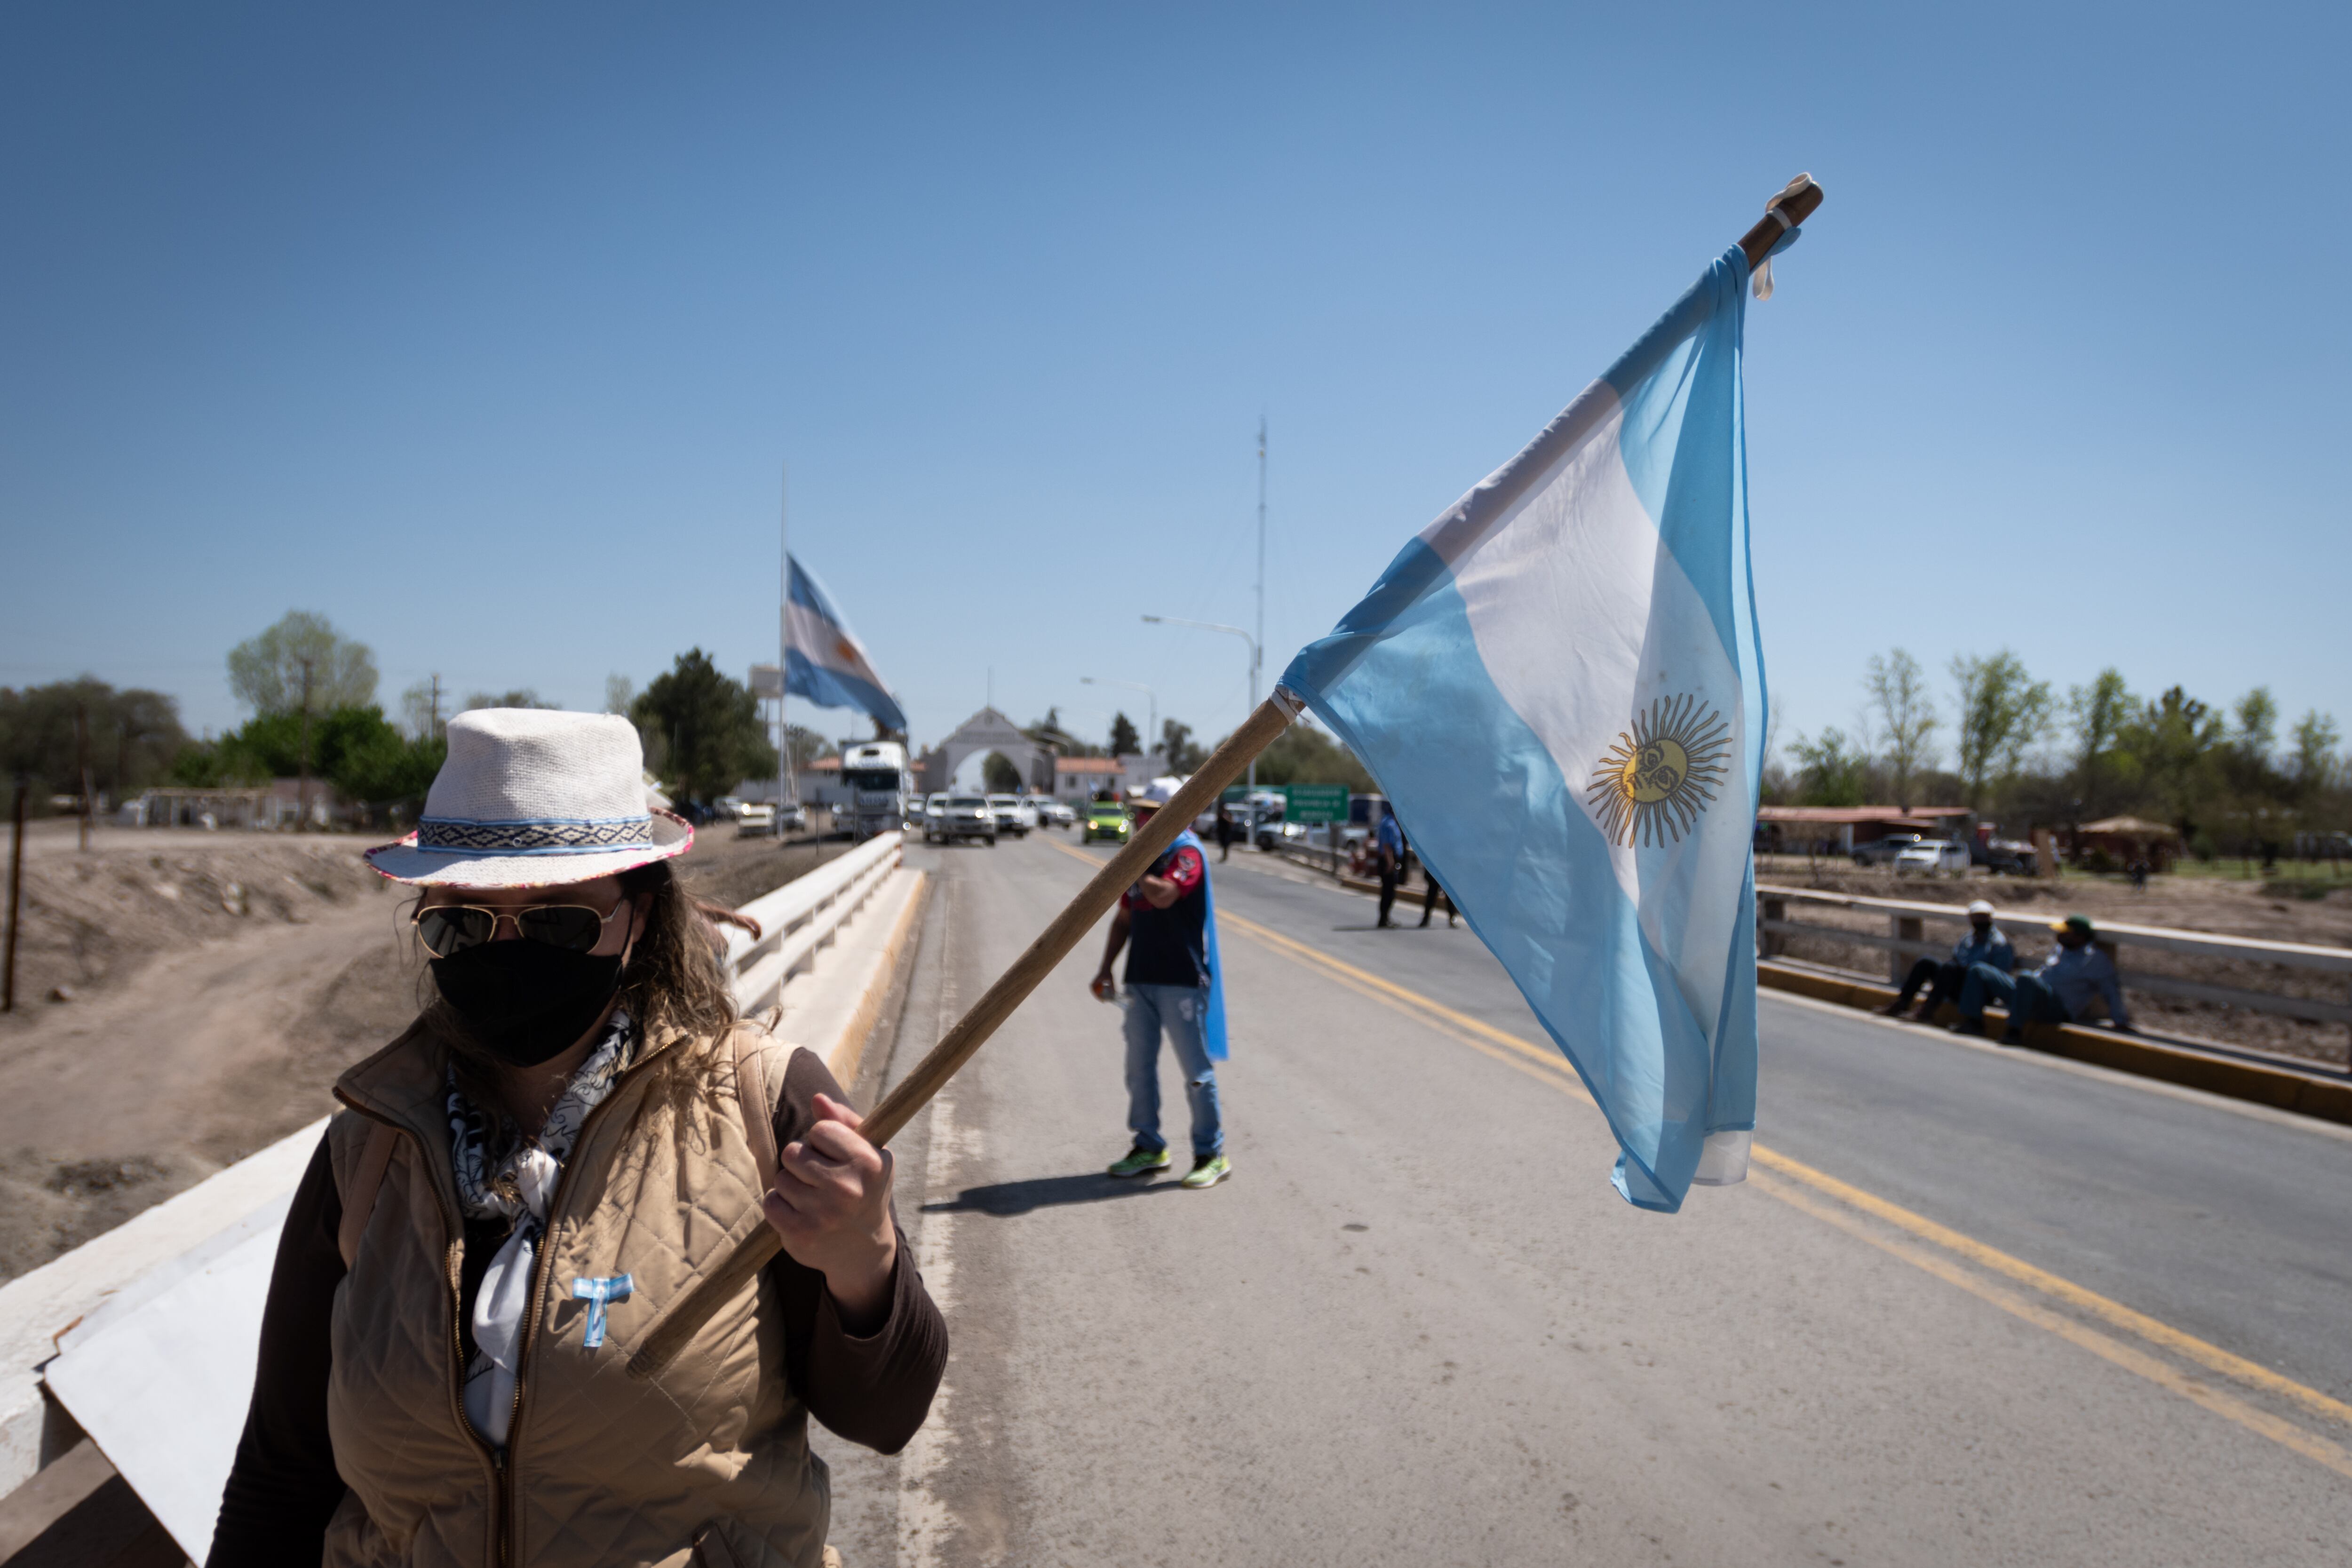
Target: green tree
(301, 665)
(2002, 711)
(1831, 770)
(133, 737)
(2315, 761)
(1124, 740)
(704, 728)
(1303, 753)
(2257, 733)
(807, 745)
(2105, 772)
(997, 772)
(1184, 753)
(620, 691)
(521, 696)
(2173, 742)
(1897, 689)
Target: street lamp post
(1150, 695)
(1235, 631)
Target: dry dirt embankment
(219, 984)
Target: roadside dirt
(218, 985)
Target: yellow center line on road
(1541, 1061)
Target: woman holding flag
(1168, 924)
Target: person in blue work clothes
(1389, 845)
(1984, 943)
(2060, 992)
(1168, 924)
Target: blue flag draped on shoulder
(823, 660)
(1559, 684)
(1212, 1016)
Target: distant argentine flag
(1559, 685)
(823, 660)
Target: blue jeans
(1177, 1009)
(2027, 997)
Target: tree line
(1303, 753)
(2023, 753)
(313, 696)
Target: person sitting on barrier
(1984, 943)
(574, 1133)
(2060, 992)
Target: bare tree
(1906, 715)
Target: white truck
(875, 786)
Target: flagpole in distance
(1794, 203)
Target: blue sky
(486, 332)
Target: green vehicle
(1105, 820)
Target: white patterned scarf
(519, 1189)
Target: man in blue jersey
(1167, 923)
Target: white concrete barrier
(147, 1335)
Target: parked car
(953, 817)
(1882, 851)
(1014, 814)
(755, 819)
(792, 819)
(1105, 819)
(1933, 855)
(1271, 834)
(2009, 857)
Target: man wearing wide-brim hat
(2062, 990)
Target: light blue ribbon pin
(599, 1294)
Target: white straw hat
(529, 798)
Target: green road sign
(1315, 803)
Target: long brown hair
(673, 980)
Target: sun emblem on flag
(1659, 776)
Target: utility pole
(432, 715)
(82, 750)
(15, 899)
(1260, 642)
(303, 791)
(784, 782)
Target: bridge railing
(802, 916)
(1904, 940)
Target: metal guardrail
(1903, 940)
(802, 916)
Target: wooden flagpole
(972, 1031)
(1793, 204)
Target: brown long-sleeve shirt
(874, 1390)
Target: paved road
(1973, 1307)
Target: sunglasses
(447, 928)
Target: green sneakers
(1205, 1173)
(1209, 1171)
(1141, 1163)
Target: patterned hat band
(556, 836)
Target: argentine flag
(823, 660)
(1559, 685)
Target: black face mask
(525, 1002)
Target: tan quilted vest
(706, 1463)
